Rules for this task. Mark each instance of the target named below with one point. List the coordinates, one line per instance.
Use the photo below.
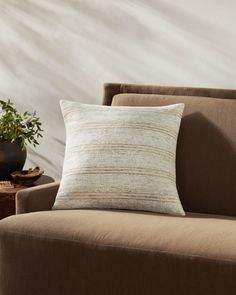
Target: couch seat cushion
(207, 236)
(90, 252)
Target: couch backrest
(206, 149)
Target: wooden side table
(7, 196)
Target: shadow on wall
(46, 163)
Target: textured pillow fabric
(120, 158)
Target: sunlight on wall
(51, 50)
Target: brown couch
(89, 252)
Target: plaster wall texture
(52, 50)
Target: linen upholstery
(111, 89)
(39, 198)
(90, 252)
(120, 158)
(206, 149)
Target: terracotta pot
(12, 158)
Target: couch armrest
(38, 198)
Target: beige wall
(54, 49)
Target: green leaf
(14, 125)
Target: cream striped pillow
(120, 158)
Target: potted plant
(16, 131)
